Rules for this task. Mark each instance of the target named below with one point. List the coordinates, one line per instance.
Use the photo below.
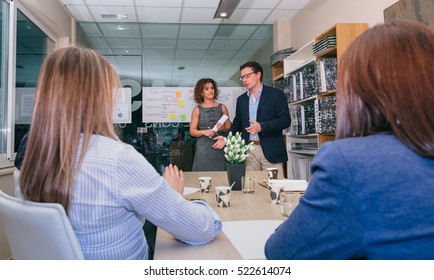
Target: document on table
(249, 237)
(190, 190)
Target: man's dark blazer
(273, 115)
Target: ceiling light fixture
(226, 8)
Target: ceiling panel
(235, 31)
(264, 32)
(91, 29)
(99, 42)
(220, 53)
(244, 54)
(75, 2)
(110, 2)
(280, 15)
(214, 62)
(227, 44)
(254, 45)
(80, 12)
(159, 30)
(199, 15)
(194, 31)
(201, 3)
(159, 44)
(167, 34)
(124, 51)
(193, 44)
(156, 53)
(247, 16)
(163, 15)
(190, 54)
(291, 4)
(123, 42)
(120, 30)
(188, 61)
(164, 62)
(258, 4)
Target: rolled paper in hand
(221, 120)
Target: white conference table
(256, 206)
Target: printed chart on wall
(122, 111)
(164, 104)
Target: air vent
(114, 16)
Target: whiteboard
(175, 104)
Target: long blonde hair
(74, 97)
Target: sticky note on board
(182, 118)
(181, 103)
(178, 94)
(172, 116)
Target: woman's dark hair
(386, 84)
(198, 89)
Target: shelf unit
(345, 34)
(299, 59)
(277, 71)
(298, 156)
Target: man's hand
(220, 142)
(254, 128)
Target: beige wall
(319, 15)
(54, 17)
(281, 35)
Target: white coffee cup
(272, 172)
(205, 184)
(223, 196)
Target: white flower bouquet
(236, 150)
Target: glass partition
(4, 29)
(32, 47)
(159, 143)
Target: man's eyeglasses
(246, 76)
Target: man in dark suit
(261, 115)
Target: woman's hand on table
(175, 178)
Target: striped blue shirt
(116, 190)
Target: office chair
(38, 231)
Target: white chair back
(38, 231)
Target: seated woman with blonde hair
(73, 157)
